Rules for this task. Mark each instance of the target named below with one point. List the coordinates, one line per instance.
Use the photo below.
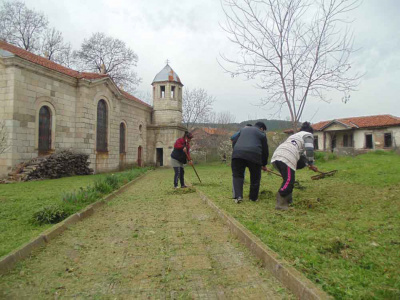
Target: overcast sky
(189, 35)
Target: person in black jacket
(180, 156)
(250, 149)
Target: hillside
(272, 125)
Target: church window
(101, 126)
(122, 137)
(172, 92)
(162, 91)
(44, 129)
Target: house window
(316, 142)
(172, 92)
(388, 140)
(101, 134)
(351, 144)
(44, 129)
(345, 140)
(368, 141)
(162, 91)
(122, 137)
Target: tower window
(162, 91)
(172, 92)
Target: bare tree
(196, 106)
(3, 137)
(296, 48)
(21, 26)
(101, 51)
(54, 48)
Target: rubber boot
(289, 199)
(281, 202)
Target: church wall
(6, 116)
(120, 110)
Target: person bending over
(294, 153)
(179, 157)
(250, 149)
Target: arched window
(101, 136)
(44, 129)
(122, 137)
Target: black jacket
(251, 144)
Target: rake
(323, 174)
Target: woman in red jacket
(180, 156)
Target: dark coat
(251, 144)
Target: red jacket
(178, 153)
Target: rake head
(323, 175)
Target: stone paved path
(152, 242)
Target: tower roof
(167, 74)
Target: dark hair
(188, 135)
(261, 125)
(249, 125)
(307, 127)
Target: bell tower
(167, 97)
(166, 125)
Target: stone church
(47, 107)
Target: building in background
(357, 134)
(47, 107)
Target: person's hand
(264, 168)
(190, 162)
(314, 168)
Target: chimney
(102, 69)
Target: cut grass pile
(25, 207)
(343, 232)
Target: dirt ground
(152, 242)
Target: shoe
(282, 202)
(175, 187)
(255, 200)
(184, 186)
(238, 200)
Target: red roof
(130, 97)
(48, 63)
(362, 122)
(59, 68)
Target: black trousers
(179, 174)
(288, 176)
(238, 167)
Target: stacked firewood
(61, 164)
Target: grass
(20, 201)
(344, 231)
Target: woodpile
(61, 164)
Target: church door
(159, 157)
(139, 156)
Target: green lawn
(343, 232)
(19, 201)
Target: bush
(51, 214)
(87, 195)
(113, 181)
(102, 187)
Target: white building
(357, 134)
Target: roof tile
(363, 122)
(59, 68)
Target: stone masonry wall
(6, 116)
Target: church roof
(8, 50)
(44, 62)
(167, 74)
